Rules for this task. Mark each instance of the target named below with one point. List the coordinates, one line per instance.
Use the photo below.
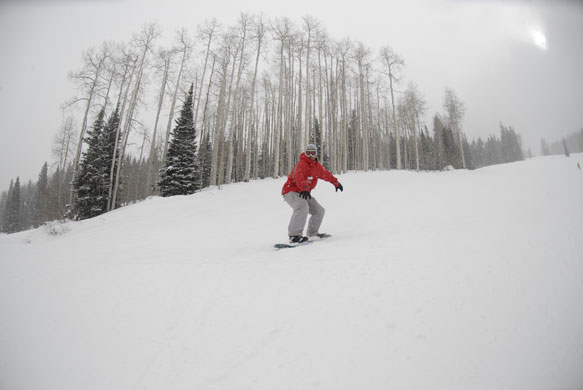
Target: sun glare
(539, 39)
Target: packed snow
(449, 280)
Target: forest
(234, 103)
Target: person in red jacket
(296, 192)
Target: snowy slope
(451, 280)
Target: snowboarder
(296, 192)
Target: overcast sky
(519, 62)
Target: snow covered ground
(451, 280)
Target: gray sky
(519, 62)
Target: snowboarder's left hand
(339, 187)
(305, 195)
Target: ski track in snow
(441, 280)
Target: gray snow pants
(301, 208)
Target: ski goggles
(311, 152)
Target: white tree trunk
(251, 125)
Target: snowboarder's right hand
(305, 195)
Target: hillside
(451, 280)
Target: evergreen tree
(427, 153)
(41, 198)
(180, 174)
(566, 149)
(478, 153)
(451, 149)
(492, 151)
(3, 202)
(316, 136)
(510, 147)
(205, 160)
(89, 184)
(545, 148)
(468, 153)
(515, 145)
(12, 213)
(97, 171)
(316, 139)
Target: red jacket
(305, 175)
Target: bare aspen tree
(404, 125)
(62, 143)
(224, 155)
(244, 22)
(326, 127)
(89, 80)
(268, 126)
(392, 64)
(164, 58)
(288, 97)
(143, 42)
(373, 130)
(416, 106)
(343, 49)
(138, 178)
(222, 109)
(361, 54)
(111, 72)
(62, 151)
(280, 33)
(252, 123)
(333, 107)
(203, 151)
(321, 39)
(379, 147)
(257, 139)
(455, 110)
(129, 62)
(208, 32)
(299, 120)
(387, 125)
(310, 27)
(206, 101)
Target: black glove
(339, 187)
(305, 195)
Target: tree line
(248, 98)
(573, 143)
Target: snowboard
(319, 237)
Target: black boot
(297, 239)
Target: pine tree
(12, 218)
(5, 203)
(451, 149)
(428, 158)
(205, 160)
(89, 184)
(180, 174)
(41, 198)
(545, 148)
(566, 149)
